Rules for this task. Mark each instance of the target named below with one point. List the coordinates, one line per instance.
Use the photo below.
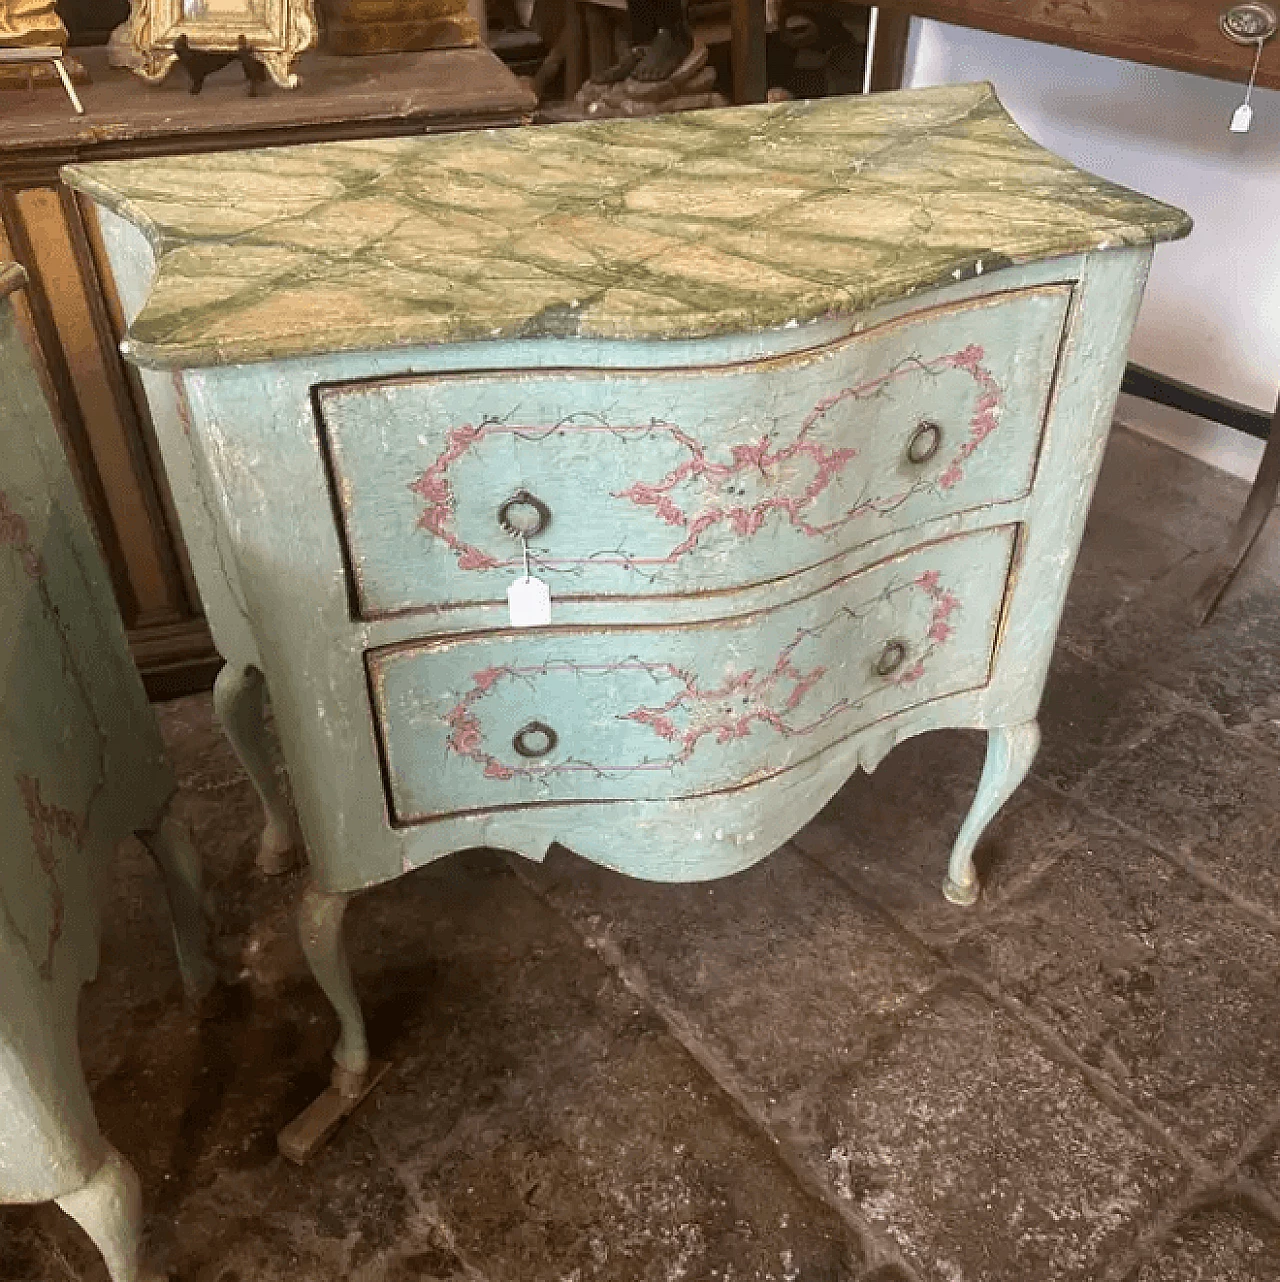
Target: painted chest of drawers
(797, 410)
(81, 767)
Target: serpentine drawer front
(618, 713)
(795, 408)
(671, 481)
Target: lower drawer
(629, 713)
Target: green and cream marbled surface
(679, 226)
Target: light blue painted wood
(636, 714)
(239, 695)
(265, 475)
(1010, 752)
(694, 480)
(81, 766)
(355, 494)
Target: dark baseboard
(1181, 396)
(175, 658)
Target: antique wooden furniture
(81, 766)
(29, 60)
(31, 22)
(71, 314)
(797, 409)
(1185, 35)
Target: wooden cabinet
(72, 317)
(1182, 34)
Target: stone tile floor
(817, 1071)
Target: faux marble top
(679, 226)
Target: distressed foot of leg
(1010, 752)
(109, 1209)
(320, 917)
(308, 1133)
(964, 895)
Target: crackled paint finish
(308, 469)
(680, 226)
(675, 712)
(81, 766)
(696, 479)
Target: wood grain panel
(58, 266)
(1181, 34)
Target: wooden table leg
(575, 52)
(889, 57)
(1262, 498)
(747, 52)
(600, 55)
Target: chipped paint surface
(81, 766)
(678, 712)
(699, 479)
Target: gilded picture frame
(277, 30)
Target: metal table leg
(1262, 498)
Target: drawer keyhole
(925, 442)
(891, 658)
(535, 740)
(523, 515)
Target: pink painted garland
(434, 488)
(725, 712)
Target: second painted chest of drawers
(797, 410)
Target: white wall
(1211, 316)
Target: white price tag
(1242, 117)
(529, 601)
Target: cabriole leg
(171, 847)
(1010, 752)
(238, 699)
(109, 1209)
(320, 929)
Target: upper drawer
(661, 482)
(523, 718)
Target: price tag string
(1242, 118)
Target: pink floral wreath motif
(828, 464)
(725, 712)
(805, 464)
(47, 823)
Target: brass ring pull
(523, 515)
(925, 442)
(535, 740)
(1247, 24)
(891, 658)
